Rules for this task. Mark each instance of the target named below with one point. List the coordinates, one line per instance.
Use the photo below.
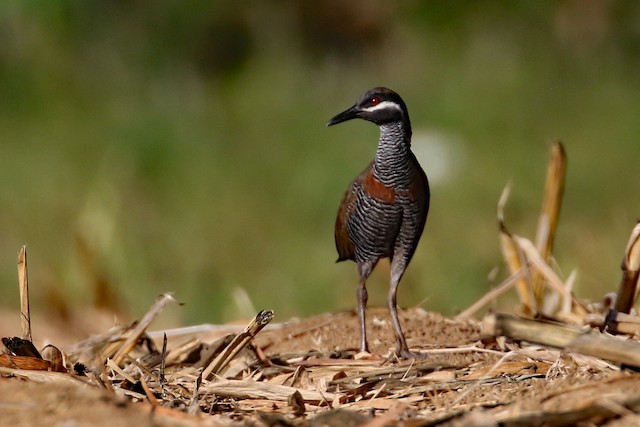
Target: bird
(384, 210)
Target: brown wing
(345, 246)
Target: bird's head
(378, 105)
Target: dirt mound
(308, 372)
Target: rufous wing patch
(378, 190)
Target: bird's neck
(392, 163)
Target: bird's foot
(405, 353)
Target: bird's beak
(350, 113)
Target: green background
(181, 145)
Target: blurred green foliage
(181, 146)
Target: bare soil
(468, 379)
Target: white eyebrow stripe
(383, 106)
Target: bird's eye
(374, 101)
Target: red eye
(374, 101)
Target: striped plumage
(383, 212)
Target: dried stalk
(570, 338)
(548, 221)
(23, 283)
(262, 390)
(44, 376)
(514, 258)
(491, 295)
(546, 333)
(133, 335)
(550, 276)
(240, 341)
(630, 272)
(626, 352)
(622, 323)
(24, 362)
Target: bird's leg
(362, 306)
(402, 349)
(364, 269)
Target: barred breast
(375, 220)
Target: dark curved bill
(351, 113)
